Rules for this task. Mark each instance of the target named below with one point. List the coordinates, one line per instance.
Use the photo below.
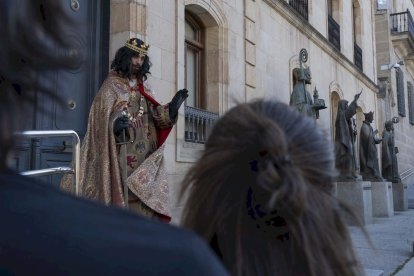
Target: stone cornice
(315, 36)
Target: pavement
(392, 245)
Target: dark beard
(134, 71)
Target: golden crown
(137, 45)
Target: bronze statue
(318, 104)
(389, 154)
(368, 154)
(301, 99)
(345, 140)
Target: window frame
(198, 46)
(399, 75)
(356, 35)
(333, 25)
(410, 102)
(301, 7)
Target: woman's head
(263, 188)
(131, 60)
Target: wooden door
(77, 86)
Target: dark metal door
(77, 86)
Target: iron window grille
(301, 7)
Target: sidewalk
(393, 244)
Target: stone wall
(252, 48)
(391, 48)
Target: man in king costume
(123, 144)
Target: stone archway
(334, 99)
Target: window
(399, 75)
(301, 6)
(382, 4)
(198, 121)
(334, 30)
(193, 62)
(410, 102)
(356, 15)
(203, 59)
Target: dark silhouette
(389, 154)
(368, 154)
(261, 195)
(301, 99)
(45, 231)
(345, 140)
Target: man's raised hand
(176, 102)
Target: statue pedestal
(399, 191)
(357, 195)
(382, 199)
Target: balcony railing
(334, 33)
(198, 124)
(402, 22)
(358, 56)
(301, 6)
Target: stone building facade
(395, 51)
(230, 51)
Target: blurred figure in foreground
(45, 231)
(261, 195)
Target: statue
(345, 137)
(301, 99)
(317, 103)
(368, 155)
(389, 154)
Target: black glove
(120, 124)
(176, 102)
